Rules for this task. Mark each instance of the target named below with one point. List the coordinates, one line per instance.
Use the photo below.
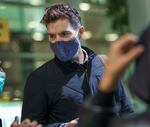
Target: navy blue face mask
(65, 50)
(2, 80)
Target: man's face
(61, 30)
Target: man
(54, 92)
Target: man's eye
(63, 34)
(50, 36)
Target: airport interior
(24, 40)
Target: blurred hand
(25, 123)
(121, 53)
(72, 123)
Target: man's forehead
(59, 26)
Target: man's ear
(81, 31)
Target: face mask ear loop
(77, 36)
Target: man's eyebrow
(65, 31)
(50, 34)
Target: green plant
(118, 12)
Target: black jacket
(54, 92)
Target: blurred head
(64, 30)
(2, 81)
(2, 78)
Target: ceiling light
(37, 36)
(111, 37)
(36, 2)
(33, 24)
(84, 6)
(37, 26)
(7, 64)
(2, 7)
(86, 35)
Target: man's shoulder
(98, 61)
(43, 69)
(40, 76)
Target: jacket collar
(69, 66)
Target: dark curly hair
(62, 11)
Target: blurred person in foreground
(26, 122)
(2, 82)
(98, 111)
(2, 78)
(55, 91)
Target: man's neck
(81, 57)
